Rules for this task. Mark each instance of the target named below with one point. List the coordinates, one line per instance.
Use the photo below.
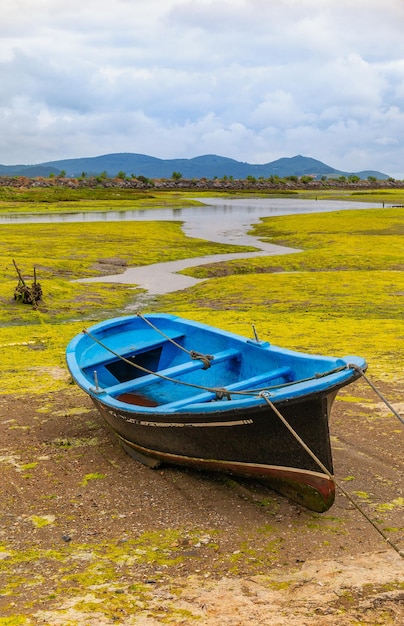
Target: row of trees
(273, 179)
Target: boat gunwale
(318, 383)
(295, 391)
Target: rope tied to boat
(205, 358)
(193, 354)
(223, 393)
(381, 396)
(265, 395)
(341, 368)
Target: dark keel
(315, 492)
(252, 443)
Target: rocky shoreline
(286, 185)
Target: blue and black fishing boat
(180, 392)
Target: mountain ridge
(203, 166)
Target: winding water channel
(222, 220)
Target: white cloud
(249, 79)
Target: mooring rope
(330, 476)
(193, 354)
(264, 395)
(381, 396)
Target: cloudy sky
(253, 80)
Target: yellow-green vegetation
(343, 294)
(93, 476)
(33, 341)
(347, 284)
(39, 521)
(257, 559)
(389, 506)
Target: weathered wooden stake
(25, 294)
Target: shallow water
(223, 220)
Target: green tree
(306, 179)
(176, 176)
(146, 181)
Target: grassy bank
(344, 292)
(342, 295)
(57, 199)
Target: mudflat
(90, 536)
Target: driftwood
(25, 294)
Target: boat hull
(242, 407)
(252, 443)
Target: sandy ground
(88, 536)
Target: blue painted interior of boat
(237, 364)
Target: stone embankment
(284, 185)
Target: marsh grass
(56, 200)
(33, 341)
(342, 295)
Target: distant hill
(206, 166)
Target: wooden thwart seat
(171, 372)
(249, 383)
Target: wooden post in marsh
(25, 294)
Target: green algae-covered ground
(69, 554)
(342, 294)
(33, 340)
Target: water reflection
(219, 208)
(222, 221)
